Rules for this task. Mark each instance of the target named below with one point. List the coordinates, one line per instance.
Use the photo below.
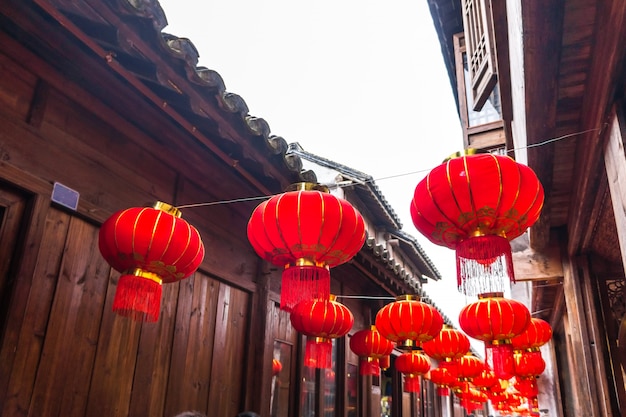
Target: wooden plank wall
(63, 351)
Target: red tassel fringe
(138, 298)
(303, 283)
(411, 383)
(318, 353)
(484, 264)
(369, 366)
(501, 360)
(443, 391)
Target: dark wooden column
(580, 344)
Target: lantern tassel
(411, 383)
(484, 264)
(303, 283)
(369, 366)
(138, 296)
(318, 353)
(443, 391)
(501, 359)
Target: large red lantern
(149, 246)
(370, 346)
(321, 320)
(412, 364)
(408, 321)
(476, 204)
(305, 230)
(496, 320)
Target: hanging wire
(372, 180)
(367, 297)
(214, 203)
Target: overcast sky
(359, 82)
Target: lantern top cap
(308, 186)
(408, 297)
(168, 208)
(490, 295)
(464, 152)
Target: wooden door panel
(29, 345)
(71, 337)
(12, 208)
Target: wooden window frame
(477, 22)
(485, 136)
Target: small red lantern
(149, 247)
(305, 230)
(537, 334)
(370, 346)
(476, 204)
(472, 399)
(529, 364)
(496, 320)
(408, 321)
(321, 321)
(443, 378)
(412, 364)
(447, 345)
(468, 367)
(276, 366)
(527, 387)
(485, 379)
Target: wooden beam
(530, 265)
(615, 163)
(541, 36)
(604, 75)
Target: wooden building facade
(544, 81)
(99, 111)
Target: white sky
(359, 82)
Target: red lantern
(148, 246)
(527, 387)
(496, 320)
(485, 379)
(443, 378)
(537, 334)
(307, 231)
(472, 399)
(412, 364)
(385, 361)
(529, 364)
(468, 367)
(476, 204)
(370, 346)
(321, 321)
(276, 366)
(408, 321)
(447, 345)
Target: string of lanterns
(474, 204)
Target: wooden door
(12, 209)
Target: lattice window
(617, 299)
(478, 26)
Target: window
(480, 61)
(482, 129)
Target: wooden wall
(62, 350)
